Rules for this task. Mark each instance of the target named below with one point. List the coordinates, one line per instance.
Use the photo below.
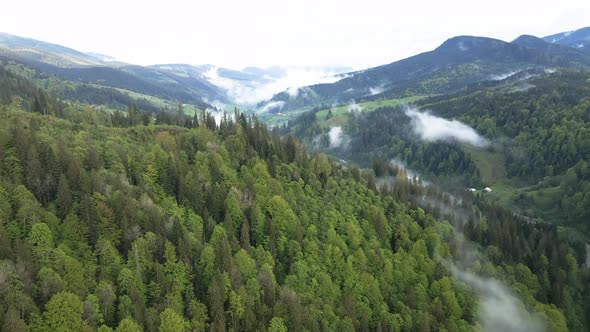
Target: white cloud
(432, 128)
(500, 77)
(336, 137)
(218, 115)
(272, 106)
(291, 80)
(499, 308)
(354, 108)
(376, 90)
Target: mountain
(579, 39)
(99, 70)
(190, 81)
(102, 57)
(35, 50)
(456, 63)
(252, 84)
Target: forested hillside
(544, 132)
(106, 87)
(536, 124)
(128, 222)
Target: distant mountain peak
(466, 43)
(530, 41)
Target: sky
(262, 33)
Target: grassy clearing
(491, 164)
(340, 113)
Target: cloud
(293, 92)
(218, 114)
(354, 108)
(410, 174)
(289, 79)
(499, 308)
(500, 77)
(272, 106)
(376, 90)
(432, 128)
(462, 47)
(336, 137)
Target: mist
(272, 106)
(376, 90)
(336, 138)
(290, 79)
(432, 128)
(499, 308)
(218, 114)
(354, 108)
(504, 76)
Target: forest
(132, 221)
(386, 134)
(538, 124)
(544, 131)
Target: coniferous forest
(121, 222)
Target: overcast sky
(240, 33)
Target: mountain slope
(458, 62)
(73, 65)
(35, 50)
(579, 39)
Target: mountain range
(579, 39)
(453, 65)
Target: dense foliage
(386, 134)
(164, 228)
(545, 133)
(221, 227)
(161, 221)
(101, 86)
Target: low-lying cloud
(218, 114)
(376, 90)
(273, 106)
(503, 76)
(336, 137)
(499, 308)
(250, 92)
(354, 108)
(432, 128)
